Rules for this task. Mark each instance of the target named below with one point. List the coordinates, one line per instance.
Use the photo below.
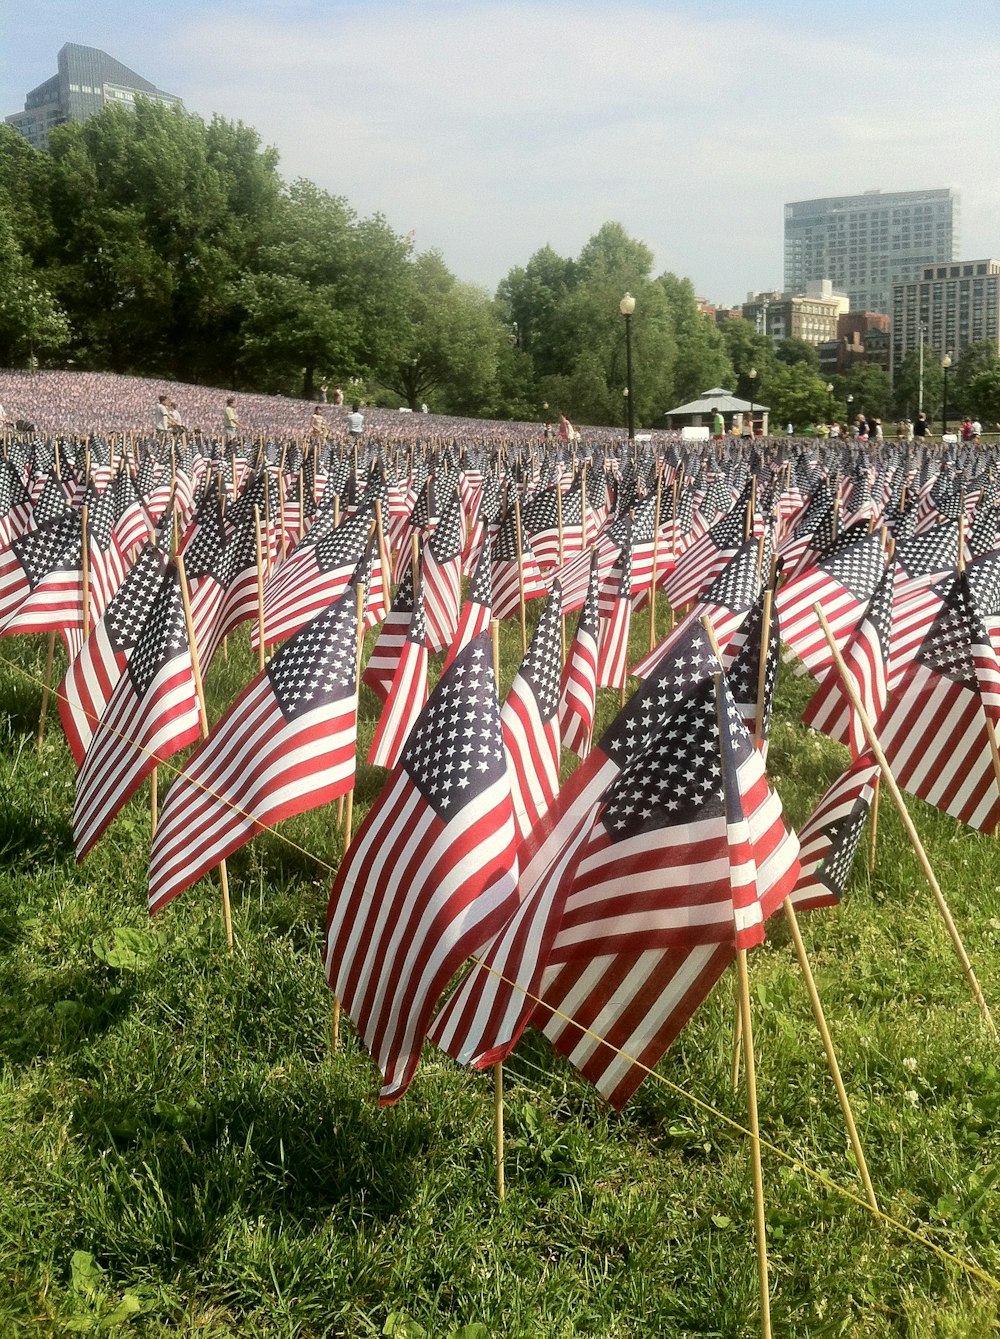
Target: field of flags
(486, 891)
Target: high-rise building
(864, 243)
(811, 316)
(949, 307)
(87, 81)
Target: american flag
(507, 583)
(530, 721)
(829, 839)
(15, 504)
(673, 868)
(314, 575)
(490, 1009)
(431, 875)
(615, 621)
(638, 999)
(442, 576)
(933, 730)
(478, 608)
(41, 580)
(383, 662)
(699, 565)
(540, 519)
(742, 663)
(152, 713)
(866, 657)
(842, 585)
(578, 693)
(407, 694)
(98, 665)
(287, 744)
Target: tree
(701, 359)
(449, 353)
(747, 349)
(154, 216)
(31, 321)
(794, 350)
(870, 388)
(983, 397)
(794, 394)
(906, 386)
(980, 357)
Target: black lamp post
(829, 392)
(627, 307)
(752, 378)
(945, 364)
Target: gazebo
(698, 413)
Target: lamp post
(850, 401)
(829, 392)
(628, 405)
(627, 307)
(752, 378)
(945, 364)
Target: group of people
(319, 427)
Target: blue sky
(493, 127)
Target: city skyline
(492, 129)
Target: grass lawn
(180, 1152)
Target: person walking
(231, 425)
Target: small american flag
(432, 873)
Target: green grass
(180, 1152)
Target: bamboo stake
(154, 801)
(760, 1223)
(199, 688)
(911, 831)
(45, 689)
(85, 569)
(831, 1055)
(498, 1131)
(349, 802)
(261, 650)
(520, 577)
(873, 823)
(656, 556)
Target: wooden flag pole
(911, 831)
(154, 801)
(199, 688)
(873, 824)
(348, 810)
(831, 1054)
(260, 590)
(990, 727)
(50, 654)
(656, 556)
(743, 986)
(498, 1067)
(520, 576)
(85, 568)
(760, 1222)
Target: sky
(492, 128)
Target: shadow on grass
(29, 839)
(67, 1008)
(175, 1175)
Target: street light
(751, 377)
(627, 307)
(829, 391)
(945, 364)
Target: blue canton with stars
(317, 666)
(542, 666)
(55, 546)
(947, 647)
(679, 673)
(126, 615)
(455, 751)
(163, 637)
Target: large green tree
(154, 215)
(701, 360)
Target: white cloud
(493, 128)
